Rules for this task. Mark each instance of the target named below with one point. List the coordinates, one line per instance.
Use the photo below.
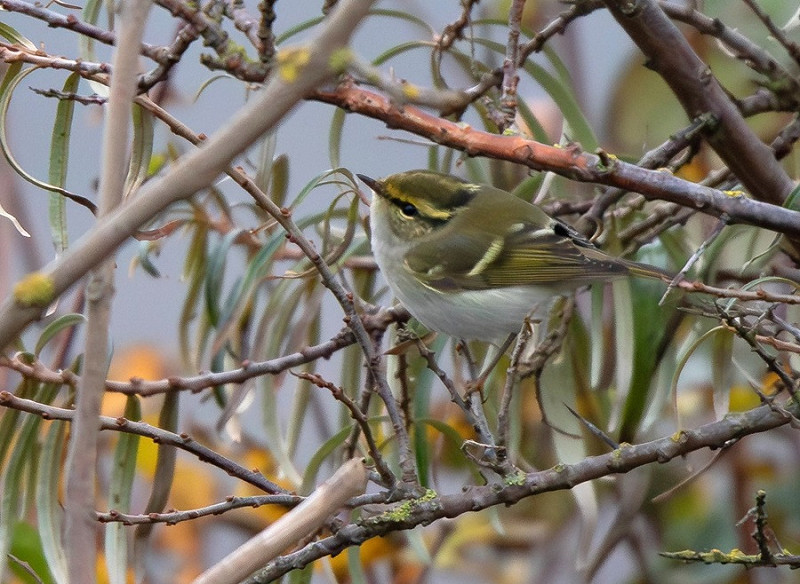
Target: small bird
(472, 261)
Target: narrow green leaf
(722, 371)
(12, 35)
(303, 390)
(119, 495)
(400, 49)
(624, 339)
(684, 355)
(302, 576)
(449, 433)
(163, 479)
(266, 156)
(145, 252)
(141, 151)
(532, 122)
(279, 186)
(59, 164)
(12, 485)
(322, 453)
(26, 546)
(49, 513)
(194, 272)
(14, 75)
(793, 200)
(335, 137)
(60, 324)
(207, 83)
(649, 328)
(355, 570)
(421, 404)
(297, 29)
(215, 274)
(90, 14)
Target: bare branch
(671, 56)
(199, 168)
(571, 161)
(157, 435)
(564, 476)
(174, 517)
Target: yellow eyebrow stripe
(425, 208)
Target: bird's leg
(490, 361)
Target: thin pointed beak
(370, 182)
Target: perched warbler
(471, 260)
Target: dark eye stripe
(412, 211)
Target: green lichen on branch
(340, 59)
(35, 289)
(735, 556)
(291, 62)
(761, 535)
(403, 511)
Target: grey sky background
(146, 309)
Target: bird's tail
(648, 271)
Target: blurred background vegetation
(214, 285)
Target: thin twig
(508, 99)
(562, 476)
(157, 435)
(359, 417)
(749, 337)
(512, 380)
(566, 161)
(174, 517)
(715, 233)
(348, 481)
(775, 31)
(557, 26)
(747, 295)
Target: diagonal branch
(157, 435)
(561, 477)
(303, 69)
(570, 162)
(670, 55)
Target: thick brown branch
(157, 435)
(670, 55)
(561, 477)
(570, 162)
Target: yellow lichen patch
(291, 62)
(36, 289)
(402, 511)
(340, 59)
(734, 193)
(410, 91)
(678, 436)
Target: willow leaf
(141, 151)
(15, 37)
(49, 513)
(14, 75)
(119, 495)
(322, 453)
(163, 479)
(59, 163)
(60, 324)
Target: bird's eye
(408, 209)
